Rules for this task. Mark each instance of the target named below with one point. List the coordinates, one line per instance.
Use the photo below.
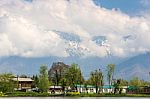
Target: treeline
(63, 75)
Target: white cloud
(26, 28)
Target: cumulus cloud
(27, 28)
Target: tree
(110, 73)
(6, 83)
(57, 72)
(43, 79)
(136, 82)
(74, 75)
(36, 81)
(96, 79)
(123, 82)
(117, 86)
(23, 76)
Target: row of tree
(64, 75)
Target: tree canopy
(43, 79)
(6, 83)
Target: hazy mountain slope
(138, 66)
(126, 68)
(20, 65)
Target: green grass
(29, 94)
(71, 94)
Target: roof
(55, 86)
(132, 87)
(88, 86)
(107, 86)
(91, 86)
(22, 79)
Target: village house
(23, 84)
(55, 89)
(92, 89)
(101, 89)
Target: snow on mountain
(75, 47)
(99, 40)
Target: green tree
(96, 79)
(110, 73)
(23, 76)
(124, 82)
(74, 75)
(36, 81)
(43, 79)
(6, 83)
(135, 82)
(117, 86)
(57, 73)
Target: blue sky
(131, 7)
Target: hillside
(138, 66)
(30, 66)
(125, 68)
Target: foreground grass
(35, 94)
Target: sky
(27, 27)
(130, 7)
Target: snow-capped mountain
(75, 46)
(99, 40)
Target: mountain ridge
(125, 68)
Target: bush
(2, 94)
(73, 94)
(26, 94)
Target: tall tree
(74, 75)
(96, 79)
(57, 72)
(110, 73)
(117, 86)
(36, 81)
(43, 79)
(6, 83)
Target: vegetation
(96, 79)
(36, 81)
(43, 79)
(57, 73)
(6, 83)
(136, 82)
(74, 76)
(110, 73)
(64, 75)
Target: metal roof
(55, 86)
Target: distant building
(138, 90)
(55, 89)
(23, 84)
(92, 89)
(101, 89)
